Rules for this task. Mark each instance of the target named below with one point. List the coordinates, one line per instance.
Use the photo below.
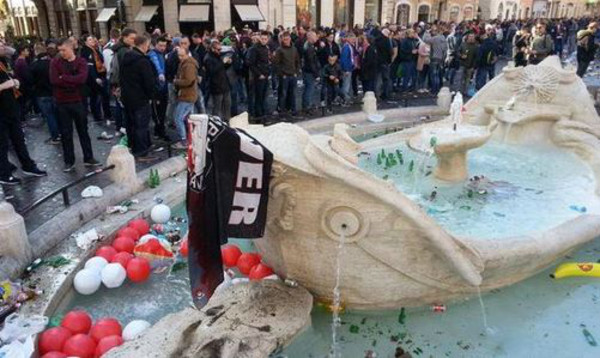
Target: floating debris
(354, 329)
(579, 209)
(56, 261)
(402, 316)
(589, 338)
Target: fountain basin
(397, 253)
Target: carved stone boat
(396, 255)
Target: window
(307, 12)
(454, 12)
(372, 11)
(403, 15)
(423, 13)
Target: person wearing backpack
(541, 45)
(586, 48)
(125, 44)
(486, 58)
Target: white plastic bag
(20, 328)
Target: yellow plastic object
(570, 269)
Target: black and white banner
(227, 196)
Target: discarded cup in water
(579, 209)
(438, 308)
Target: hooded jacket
(138, 79)
(40, 69)
(186, 80)
(218, 83)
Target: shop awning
(194, 13)
(146, 13)
(106, 14)
(249, 13)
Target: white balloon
(113, 275)
(87, 281)
(96, 263)
(160, 213)
(134, 329)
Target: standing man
(259, 64)
(287, 62)
(42, 89)
(586, 48)
(468, 56)
(96, 83)
(347, 64)
(311, 70)
(488, 55)
(541, 45)
(10, 127)
(138, 86)
(439, 49)
(159, 104)
(125, 44)
(387, 53)
(186, 84)
(68, 74)
(219, 88)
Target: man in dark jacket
(219, 88)
(139, 82)
(586, 48)
(407, 56)
(486, 58)
(96, 82)
(258, 62)
(68, 74)
(10, 127)
(125, 44)
(311, 69)
(385, 48)
(287, 62)
(369, 66)
(42, 89)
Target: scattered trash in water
(579, 209)
(402, 316)
(589, 338)
(500, 215)
(438, 308)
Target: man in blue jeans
(487, 57)
(42, 89)
(287, 63)
(311, 69)
(347, 64)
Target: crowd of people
(145, 83)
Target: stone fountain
(396, 254)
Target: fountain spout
(456, 110)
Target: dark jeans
(409, 75)
(582, 66)
(368, 86)
(287, 94)
(159, 112)
(11, 132)
(308, 91)
(333, 90)
(99, 101)
(69, 114)
(138, 129)
(221, 106)
(483, 72)
(435, 76)
(260, 95)
(48, 109)
(386, 81)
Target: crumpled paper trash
(92, 191)
(85, 239)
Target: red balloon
(124, 244)
(53, 339)
(80, 345)
(105, 327)
(106, 344)
(108, 252)
(138, 269)
(55, 354)
(247, 261)
(230, 255)
(184, 249)
(77, 322)
(129, 232)
(122, 258)
(140, 225)
(260, 271)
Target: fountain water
(337, 301)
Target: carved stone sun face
(539, 81)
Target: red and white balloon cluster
(78, 337)
(249, 264)
(112, 264)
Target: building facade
(55, 18)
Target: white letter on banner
(248, 146)
(252, 173)
(249, 208)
